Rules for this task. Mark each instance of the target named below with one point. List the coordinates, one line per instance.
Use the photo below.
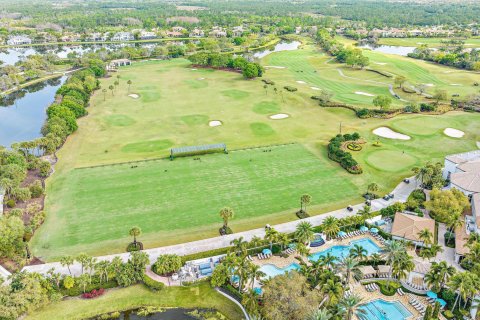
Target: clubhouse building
(463, 172)
(407, 226)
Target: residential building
(145, 35)
(238, 31)
(178, 29)
(114, 64)
(463, 171)
(18, 40)
(97, 37)
(123, 36)
(407, 226)
(218, 32)
(197, 33)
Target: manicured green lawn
(199, 296)
(92, 209)
(431, 42)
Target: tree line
(249, 70)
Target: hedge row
(337, 154)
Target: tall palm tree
(402, 266)
(255, 242)
(426, 236)
(305, 200)
(328, 260)
(67, 261)
(330, 227)
(129, 82)
(111, 87)
(464, 284)
(439, 274)
(135, 232)
(250, 302)
(226, 214)
(239, 246)
(302, 249)
(104, 94)
(351, 305)
(283, 239)
(304, 232)
(393, 251)
(365, 211)
(332, 290)
(358, 252)
(372, 187)
(454, 221)
(375, 258)
(271, 236)
(255, 273)
(320, 314)
(349, 266)
(102, 269)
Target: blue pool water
(341, 251)
(272, 271)
(384, 310)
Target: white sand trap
(381, 63)
(215, 123)
(454, 133)
(201, 79)
(275, 67)
(455, 84)
(315, 88)
(134, 96)
(193, 69)
(279, 116)
(301, 82)
(428, 84)
(364, 94)
(390, 134)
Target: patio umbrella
(266, 251)
(257, 291)
(235, 278)
(374, 230)
(432, 295)
(341, 234)
(363, 228)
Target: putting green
(195, 119)
(261, 129)
(421, 126)
(390, 160)
(147, 146)
(235, 94)
(266, 107)
(119, 120)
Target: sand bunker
(193, 69)
(381, 63)
(455, 84)
(454, 133)
(428, 84)
(275, 67)
(134, 96)
(364, 94)
(279, 116)
(215, 123)
(315, 88)
(201, 79)
(390, 134)
(301, 82)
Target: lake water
(168, 314)
(282, 46)
(400, 50)
(22, 113)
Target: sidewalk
(401, 193)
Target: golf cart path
(401, 193)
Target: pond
(22, 113)
(281, 46)
(169, 314)
(400, 50)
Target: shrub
(268, 81)
(388, 290)
(167, 263)
(44, 168)
(36, 189)
(95, 284)
(345, 159)
(302, 214)
(290, 88)
(412, 108)
(93, 294)
(354, 146)
(68, 282)
(425, 107)
(17, 212)
(10, 203)
(152, 284)
(448, 314)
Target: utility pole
(340, 127)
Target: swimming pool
(341, 251)
(272, 271)
(384, 310)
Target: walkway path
(236, 302)
(448, 253)
(401, 193)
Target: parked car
(407, 181)
(350, 208)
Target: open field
(198, 296)
(431, 42)
(92, 209)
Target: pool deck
(283, 262)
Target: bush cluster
(290, 88)
(336, 153)
(249, 70)
(152, 284)
(93, 294)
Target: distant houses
(123, 36)
(19, 40)
(114, 64)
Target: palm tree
(83, 281)
(454, 221)
(226, 214)
(255, 273)
(439, 274)
(283, 240)
(351, 305)
(83, 259)
(426, 236)
(393, 250)
(116, 83)
(402, 266)
(239, 246)
(320, 314)
(358, 252)
(328, 260)
(434, 250)
(333, 291)
(255, 242)
(67, 261)
(135, 232)
(372, 187)
(348, 266)
(375, 258)
(304, 232)
(271, 236)
(129, 82)
(464, 284)
(305, 200)
(104, 94)
(365, 211)
(111, 87)
(330, 227)
(102, 268)
(265, 87)
(302, 249)
(250, 302)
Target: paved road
(401, 193)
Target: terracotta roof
(455, 159)
(471, 166)
(408, 226)
(461, 238)
(367, 270)
(469, 181)
(464, 157)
